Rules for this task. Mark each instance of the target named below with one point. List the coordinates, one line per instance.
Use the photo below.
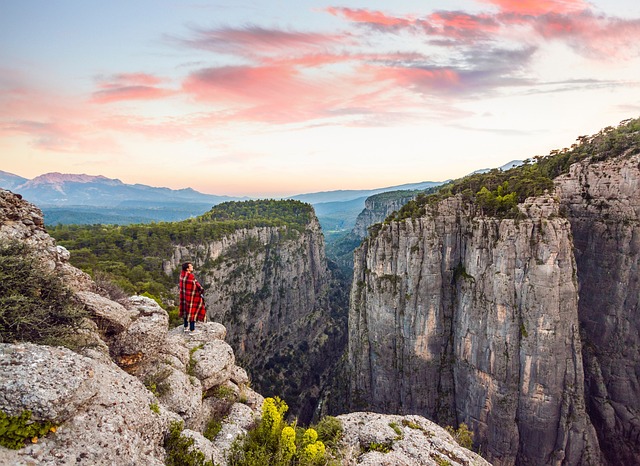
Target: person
(192, 307)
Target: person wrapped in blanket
(192, 307)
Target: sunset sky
(271, 98)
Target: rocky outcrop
(22, 221)
(602, 202)
(376, 439)
(455, 316)
(272, 289)
(378, 207)
(114, 399)
(95, 405)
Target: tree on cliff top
(498, 192)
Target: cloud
(591, 35)
(539, 7)
(255, 41)
(129, 86)
(444, 24)
(572, 22)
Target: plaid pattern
(191, 298)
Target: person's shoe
(186, 329)
(194, 332)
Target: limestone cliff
(379, 207)
(602, 202)
(467, 318)
(272, 289)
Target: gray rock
(144, 336)
(213, 363)
(104, 414)
(201, 443)
(454, 315)
(113, 317)
(602, 202)
(410, 441)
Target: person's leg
(192, 325)
(186, 323)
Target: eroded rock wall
(272, 289)
(602, 202)
(465, 318)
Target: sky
(270, 98)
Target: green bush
(462, 435)
(274, 442)
(179, 449)
(213, 428)
(16, 430)
(35, 305)
(329, 430)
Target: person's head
(187, 267)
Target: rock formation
(114, 402)
(274, 292)
(400, 441)
(526, 329)
(602, 202)
(454, 316)
(378, 207)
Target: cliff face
(473, 319)
(602, 202)
(379, 207)
(273, 290)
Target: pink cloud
(422, 79)
(129, 86)
(539, 7)
(374, 18)
(592, 35)
(243, 83)
(254, 41)
(130, 93)
(570, 21)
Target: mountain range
(91, 199)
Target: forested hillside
(131, 255)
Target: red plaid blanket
(191, 298)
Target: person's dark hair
(186, 265)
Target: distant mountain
(505, 167)
(351, 194)
(88, 199)
(62, 190)
(10, 181)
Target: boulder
(104, 415)
(376, 439)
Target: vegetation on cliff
(498, 192)
(35, 305)
(131, 255)
(275, 442)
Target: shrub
(462, 435)
(35, 305)
(16, 430)
(329, 430)
(274, 442)
(213, 427)
(180, 450)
